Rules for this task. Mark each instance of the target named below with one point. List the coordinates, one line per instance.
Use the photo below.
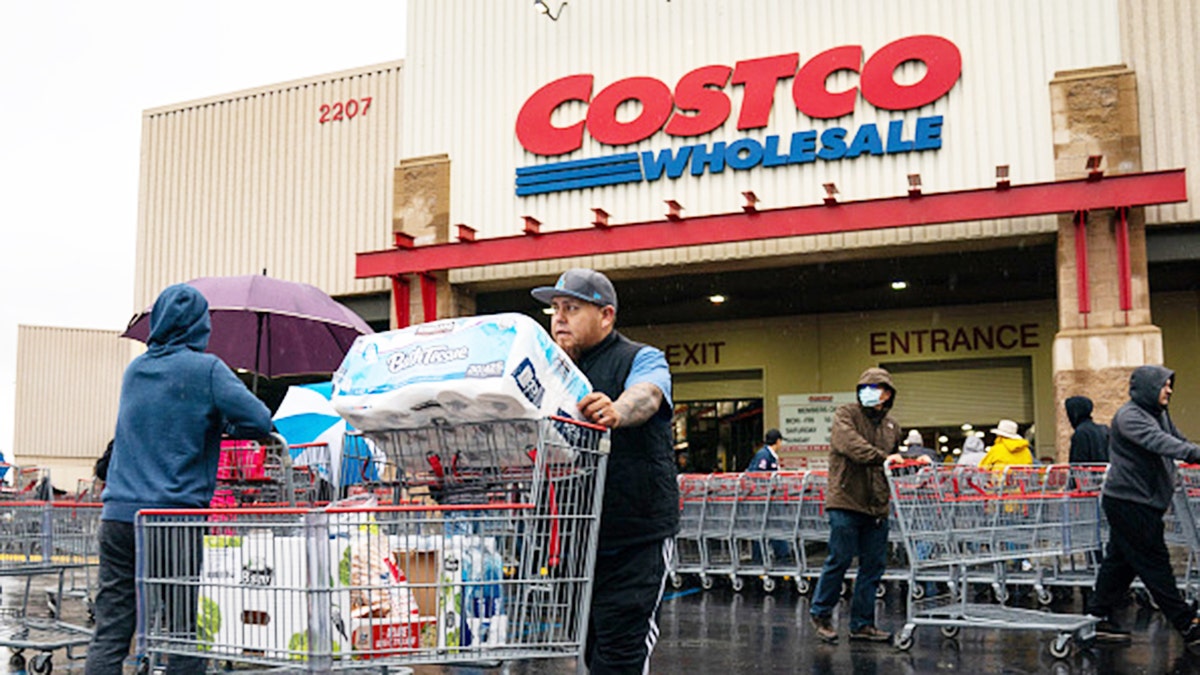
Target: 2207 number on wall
(344, 110)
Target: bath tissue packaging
(472, 369)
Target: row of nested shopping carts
(44, 537)
(50, 537)
(952, 529)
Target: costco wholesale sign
(699, 104)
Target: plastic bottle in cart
(484, 622)
(450, 595)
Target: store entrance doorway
(717, 435)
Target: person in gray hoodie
(1137, 491)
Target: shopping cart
(689, 558)
(717, 546)
(749, 527)
(494, 565)
(1182, 528)
(952, 524)
(40, 539)
(781, 528)
(812, 529)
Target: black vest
(641, 496)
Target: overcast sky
(76, 76)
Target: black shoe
(1191, 636)
(1111, 632)
(824, 629)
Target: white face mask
(870, 396)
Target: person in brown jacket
(864, 437)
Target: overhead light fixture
(899, 285)
(543, 8)
(548, 311)
(716, 299)
(943, 439)
(967, 427)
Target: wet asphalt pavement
(722, 632)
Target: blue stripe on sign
(577, 164)
(611, 179)
(577, 174)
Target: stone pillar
(1095, 112)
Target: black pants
(1136, 549)
(178, 557)
(623, 627)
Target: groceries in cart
(474, 369)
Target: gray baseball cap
(584, 284)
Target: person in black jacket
(1137, 491)
(631, 395)
(1089, 442)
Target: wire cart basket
(953, 520)
(488, 558)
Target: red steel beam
(1128, 190)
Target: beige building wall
(826, 353)
(1160, 40)
(68, 385)
(1178, 315)
(294, 178)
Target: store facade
(761, 152)
(900, 184)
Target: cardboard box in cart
(256, 592)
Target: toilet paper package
(472, 369)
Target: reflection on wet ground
(723, 632)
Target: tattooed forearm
(638, 403)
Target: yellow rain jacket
(1006, 452)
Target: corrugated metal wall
(1161, 42)
(252, 180)
(68, 383)
(475, 64)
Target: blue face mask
(870, 396)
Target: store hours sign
(805, 421)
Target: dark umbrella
(271, 327)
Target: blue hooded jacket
(1144, 444)
(175, 403)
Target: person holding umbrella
(176, 401)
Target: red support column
(429, 297)
(400, 298)
(1081, 270)
(1124, 275)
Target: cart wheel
(706, 582)
(676, 581)
(904, 641)
(951, 632)
(802, 585)
(917, 591)
(1045, 597)
(880, 591)
(41, 663)
(16, 662)
(1060, 648)
(768, 584)
(736, 583)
